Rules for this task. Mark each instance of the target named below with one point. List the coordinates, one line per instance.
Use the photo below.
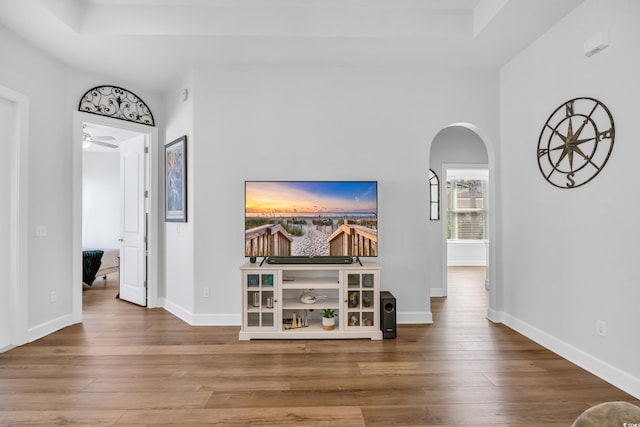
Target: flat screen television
(311, 218)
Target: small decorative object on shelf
(295, 322)
(328, 319)
(353, 320)
(367, 281)
(253, 280)
(353, 299)
(311, 298)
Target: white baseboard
(437, 292)
(414, 317)
(199, 319)
(49, 327)
(178, 311)
(494, 316)
(621, 379)
(7, 348)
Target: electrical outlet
(53, 297)
(205, 292)
(601, 328)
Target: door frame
(18, 218)
(151, 135)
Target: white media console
(274, 295)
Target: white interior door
(133, 256)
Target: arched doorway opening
(457, 150)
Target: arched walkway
(463, 144)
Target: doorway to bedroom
(139, 207)
(114, 211)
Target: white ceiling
(151, 43)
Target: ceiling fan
(87, 139)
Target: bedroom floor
(98, 296)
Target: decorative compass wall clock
(575, 142)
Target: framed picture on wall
(175, 180)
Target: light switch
(41, 230)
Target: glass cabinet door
(360, 303)
(260, 300)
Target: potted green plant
(328, 319)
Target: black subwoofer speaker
(387, 314)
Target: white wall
(101, 210)
(7, 135)
(53, 90)
(569, 257)
(30, 72)
(462, 253)
(314, 123)
(178, 257)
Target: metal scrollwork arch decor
(117, 103)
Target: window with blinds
(466, 213)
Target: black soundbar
(309, 260)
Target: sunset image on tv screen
(304, 218)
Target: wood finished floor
(131, 366)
